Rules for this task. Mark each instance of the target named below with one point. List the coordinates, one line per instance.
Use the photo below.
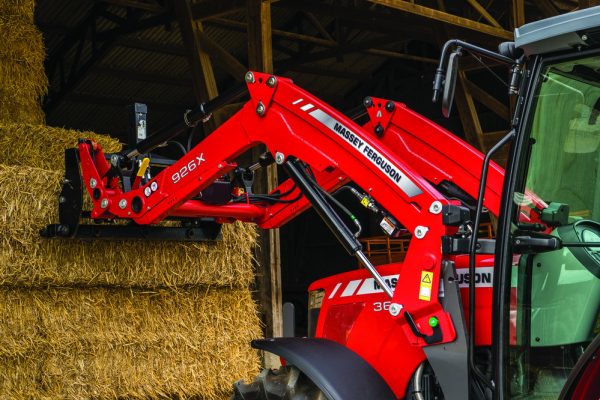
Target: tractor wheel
(286, 383)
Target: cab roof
(574, 30)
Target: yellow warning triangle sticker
(426, 278)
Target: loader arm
(431, 150)
(293, 125)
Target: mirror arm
(450, 44)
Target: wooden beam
(441, 16)
(260, 42)
(484, 13)
(360, 18)
(492, 138)
(518, 13)
(260, 58)
(318, 26)
(223, 58)
(468, 114)
(204, 10)
(139, 4)
(588, 3)
(335, 52)
(203, 78)
(120, 102)
(218, 54)
(151, 46)
(493, 104)
(546, 7)
(402, 56)
(348, 48)
(140, 76)
(292, 36)
(305, 69)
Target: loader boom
(301, 131)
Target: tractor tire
(286, 383)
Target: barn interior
(105, 55)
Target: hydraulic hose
(199, 113)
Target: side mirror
(450, 82)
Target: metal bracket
(452, 245)
(380, 113)
(261, 87)
(435, 337)
(207, 231)
(70, 211)
(449, 360)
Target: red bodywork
(354, 310)
(355, 313)
(295, 123)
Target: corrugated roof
(151, 65)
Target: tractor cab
(555, 295)
(547, 274)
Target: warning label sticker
(425, 286)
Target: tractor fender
(340, 373)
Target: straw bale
(17, 9)
(28, 111)
(28, 202)
(44, 146)
(23, 80)
(108, 344)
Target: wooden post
(468, 113)
(203, 77)
(518, 13)
(493, 104)
(447, 18)
(547, 8)
(260, 58)
(588, 3)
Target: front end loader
(462, 317)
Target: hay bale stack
(28, 202)
(44, 146)
(112, 319)
(108, 344)
(23, 80)
(17, 9)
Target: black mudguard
(339, 372)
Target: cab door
(550, 297)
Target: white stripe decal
(306, 107)
(390, 170)
(483, 277)
(335, 289)
(369, 286)
(297, 101)
(351, 288)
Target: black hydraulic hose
(265, 197)
(178, 145)
(345, 210)
(296, 171)
(472, 249)
(193, 117)
(345, 187)
(440, 72)
(342, 207)
(279, 195)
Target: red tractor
(461, 317)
